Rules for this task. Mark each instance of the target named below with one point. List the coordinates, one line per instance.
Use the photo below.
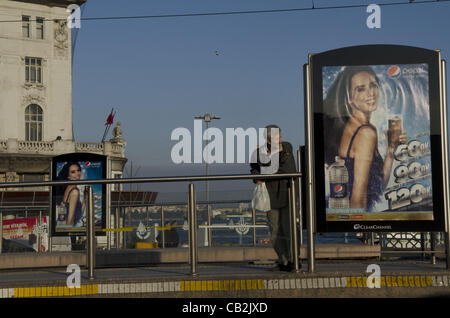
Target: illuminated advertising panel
(69, 202)
(377, 135)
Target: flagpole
(104, 134)
(109, 122)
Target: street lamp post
(207, 118)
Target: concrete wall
(180, 255)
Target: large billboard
(69, 202)
(377, 139)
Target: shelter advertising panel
(377, 139)
(69, 202)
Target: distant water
(227, 237)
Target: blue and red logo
(338, 188)
(394, 71)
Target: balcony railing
(94, 147)
(60, 147)
(35, 146)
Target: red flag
(110, 119)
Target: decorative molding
(61, 38)
(34, 87)
(33, 99)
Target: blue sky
(159, 73)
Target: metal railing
(192, 217)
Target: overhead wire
(180, 15)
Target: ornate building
(36, 92)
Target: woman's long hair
(337, 109)
(64, 175)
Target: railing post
(49, 219)
(192, 220)
(90, 233)
(310, 167)
(294, 242)
(163, 224)
(121, 225)
(39, 236)
(300, 202)
(372, 238)
(254, 226)
(433, 247)
(117, 226)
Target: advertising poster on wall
(26, 231)
(380, 156)
(69, 202)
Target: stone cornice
(54, 3)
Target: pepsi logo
(87, 163)
(338, 188)
(393, 71)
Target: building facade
(36, 92)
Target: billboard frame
(378, 55)
(77, 157)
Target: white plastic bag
(261, 199)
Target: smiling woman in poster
(349, 134)
(71, 195)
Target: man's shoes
(282, 268)
(278, 268)
(289, 267)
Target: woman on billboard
(70, 196)
(349, 134)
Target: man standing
(278, 216)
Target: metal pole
(207, 119)
(129, 211)
(163, 225)
(117, 226)
(8, 185)
(122, 224)
(310, 167)
(254, 227)
(300, 210)
(147, 222)
(422, 245)
(207, 195)
(432, 246)
(294, 242)
(39, 237)
(108, 205)
(50, 211)
(90, 234)
(192, 220)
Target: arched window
(33, 123)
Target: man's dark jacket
(277, 188)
